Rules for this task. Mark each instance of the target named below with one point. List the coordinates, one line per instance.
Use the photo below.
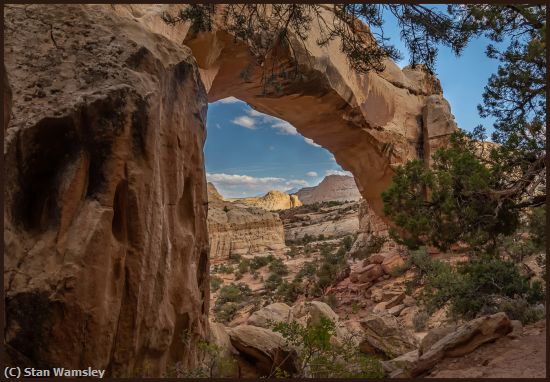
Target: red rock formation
(106, 247)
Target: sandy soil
(508, 357)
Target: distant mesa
(332, 188)
(272, 201)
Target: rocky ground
(518, 355)
(367, 296)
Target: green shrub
(308, 271)
(520, 309)
(223, 268)
(273, 282)
(289, 292)
(473, 286)
(260, 261)
(321, 358)
(420, 320)
(231, 299)
(347, 242)
(215, 283)
(278, 267)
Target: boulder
(464, 340)
(400, 367)
(277, 312)
(396, 310)
(377, 258)
(433, 336)
(409, 301)
(264, 348)
(396, 300)
(390, 263)
(383, 333)
(311, 312)
(367, 274)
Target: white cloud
(310, 142)
(338, 172)
(235, 185)
(285, 128)
(229, 100)
(245, 121)
(311, 173)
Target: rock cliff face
(237, 229)
(106, 247)
(332, 187)
(272, 201)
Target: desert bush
(273, 282)
(475, 285)
(260, 261)
(278, 267)
(242, 268)
(347, 242)
(231, 299)
(520, 309)
(289, 292)
(215, 283)
(420, 320)
(223, 268)
(319, 357)
(211, 364)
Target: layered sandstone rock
(264, 348)
(272, 201)
(384, 334)
(106, 247)
(332, 187)
(370, 122)
(236, 229)
(106, 258)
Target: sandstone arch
(124, 103)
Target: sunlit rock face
(332, 188)
(106, 243)
(237, 229)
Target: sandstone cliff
(332, 187)
(106, 246)
(236, 229)
(272, 201)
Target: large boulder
(464, 340)
(311, 312)
(383, 334)
(273, 313)
(366, 274)
(265, 349)
(392, 263)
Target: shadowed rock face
(106, 248)
(106, 245)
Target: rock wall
(236, 229)
(332, 187)
(106, 247)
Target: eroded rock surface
(106, 247)
(237, 229)
(272, 201)
(332, 187)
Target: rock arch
(128, 100)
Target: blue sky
(248, 153)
